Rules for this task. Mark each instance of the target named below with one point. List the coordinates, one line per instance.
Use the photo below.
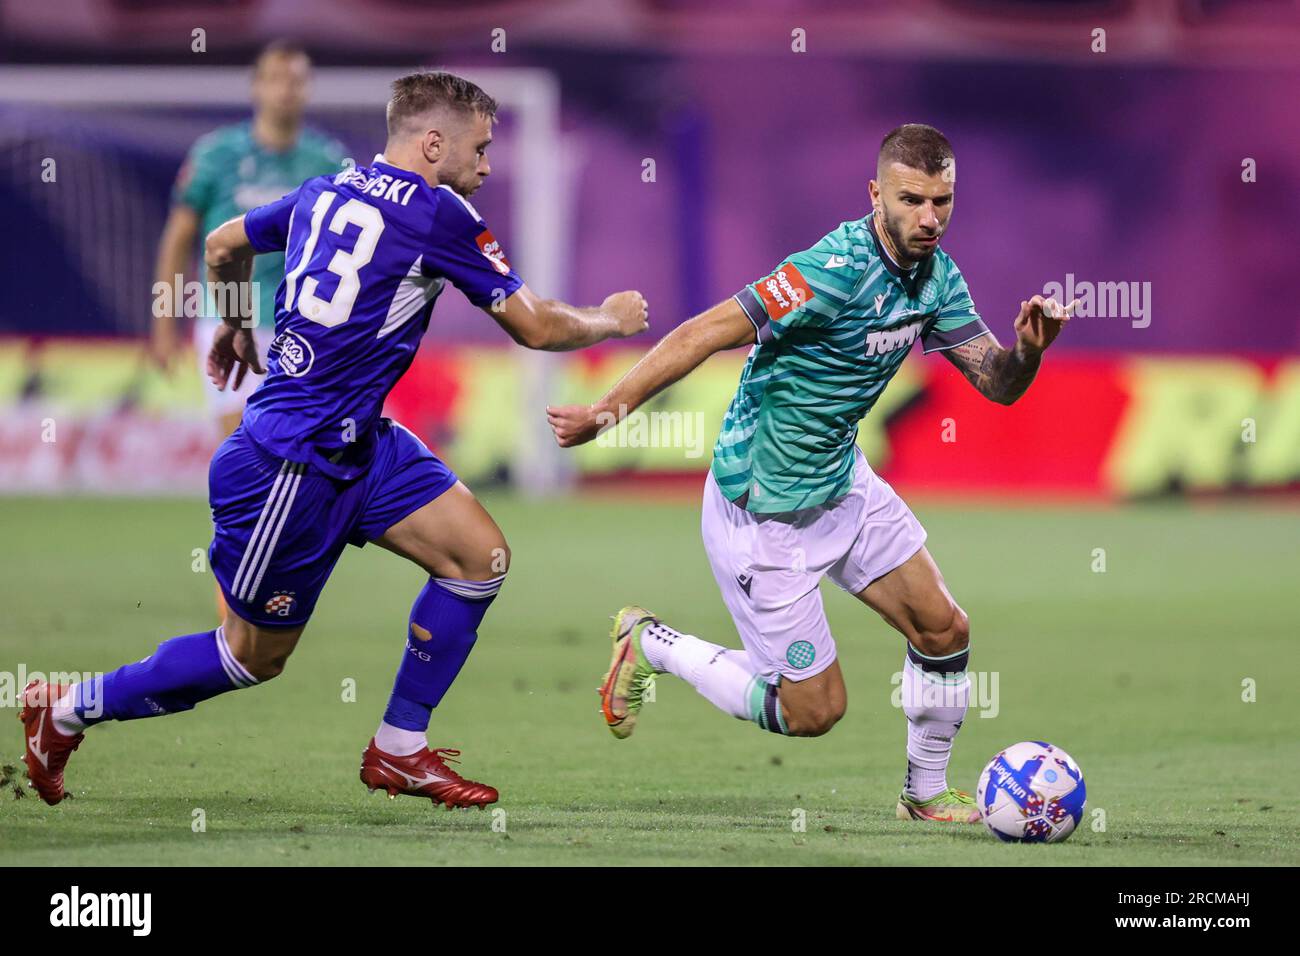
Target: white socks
(399, 742)
(64, 717)
(936, 692)
(723, 676)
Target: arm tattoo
(1001, 375)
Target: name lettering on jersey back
(383, 186)
(888, 340)
(784, 291)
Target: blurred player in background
(228, 172)
(790, 499)
(314, 467)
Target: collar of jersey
(396, 170)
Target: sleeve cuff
(753, 309)
(942, 341)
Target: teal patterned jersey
(227, 173)
(833, 325)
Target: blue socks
(442, 631)
(186, 670)
(182, 672)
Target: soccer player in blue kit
(314, 466)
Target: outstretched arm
(725, 326)
(555, 326)
(1000, 374)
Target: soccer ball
(1031, 792)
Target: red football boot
(47, 750)
(423, 774)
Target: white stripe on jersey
(414, 292)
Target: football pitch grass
(1138, 672)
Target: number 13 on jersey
(338, 308)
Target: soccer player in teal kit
(790, 499)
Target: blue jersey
(367, 253)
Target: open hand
(1040, 321)
(232, 349)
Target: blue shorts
(280, 526)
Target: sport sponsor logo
(1006, 780)
(888, 340)
(488, 245)
(784, 291)
(294, 352)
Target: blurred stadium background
(1123, 166)
(1171, 438)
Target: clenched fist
(629, 311)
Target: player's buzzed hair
(418, 93)
(916, 146)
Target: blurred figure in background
(228, 172)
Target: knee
(263, 654)
(491, 559)
(816, 720)
(264, 668)
(262, 663)
(952, 636)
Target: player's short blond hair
(419, 93)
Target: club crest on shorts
(281, 603)
(801, 654)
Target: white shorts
(231, 400)
(769, 566)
